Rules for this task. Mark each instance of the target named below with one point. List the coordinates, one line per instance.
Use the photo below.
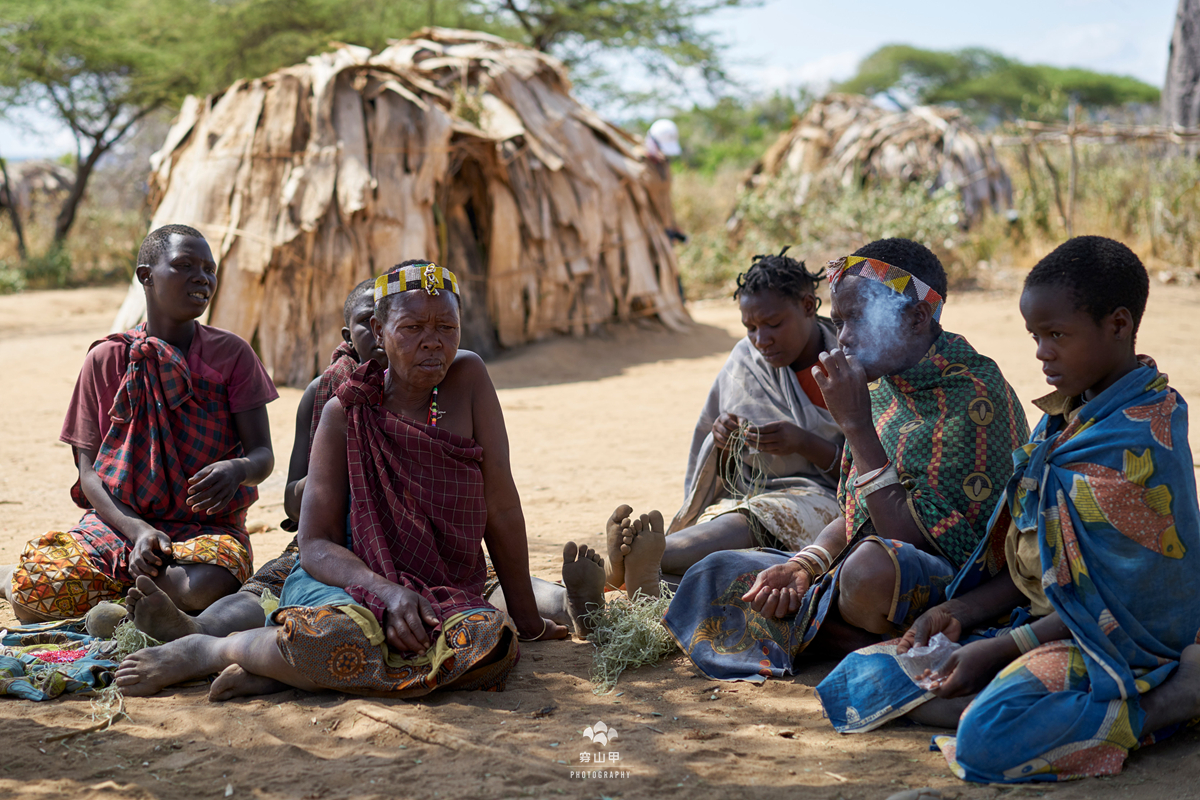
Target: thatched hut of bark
(450, 145)
(846, 138)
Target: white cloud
(817, 74)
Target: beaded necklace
(432, 419)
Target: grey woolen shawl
(751, 389)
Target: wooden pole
(1074, 169)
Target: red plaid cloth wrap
(417, 509)
(167, 425)
(342, 364)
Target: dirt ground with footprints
(593, 423)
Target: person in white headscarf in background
(662, 144)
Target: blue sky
(786, 43)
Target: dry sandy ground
(593, 423)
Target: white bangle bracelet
(889, 478)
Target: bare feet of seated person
(642, 544)
(154, 614)
(583, 576)
(237, 682)
(149, 671)
(615, 531)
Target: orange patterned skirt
(343, 648)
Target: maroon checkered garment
(417, 510)
(342, 364)
(167, 425)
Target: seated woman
(930, 425)
(1095, 542)
(779, 492)
(168, 428)
(414, 463)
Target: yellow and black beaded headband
(428, 276)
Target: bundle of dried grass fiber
(628, 634)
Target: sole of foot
(643, 551)
(149, 671)
(615, 531)
(236, 682)
(155, 615)
(583, 576)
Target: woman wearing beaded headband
(930, 426)
(416, 484)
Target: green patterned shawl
(950, 424)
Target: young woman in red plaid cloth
(168, 426)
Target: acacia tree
(662, 35)
(97, 66)
(988, 82)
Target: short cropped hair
(367, 287)
(156, 242)
(912, 257)
(1101, 274)
(384, 307)
(777, 273)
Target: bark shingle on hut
(450, 145)
(845, 138)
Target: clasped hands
(971, 667)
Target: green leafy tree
(98, 66)
(987, 82)
(662, 36)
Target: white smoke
(880, 341)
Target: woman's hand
(549, 629)
(972, 667)
(724, 427)
(211, 489)
(408, 615)
(777, 438)
(938, 619)
(778, 590)
(843, 382)
(150, 551)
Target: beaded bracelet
(1025, 638)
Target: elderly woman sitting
(409, 476)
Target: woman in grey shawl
(763, 466)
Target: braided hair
(778, 273)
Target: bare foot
(583, 576)
(155, 615)
(643, 555)
(1177, 700)
(149, 671)
(236, 682)
(615, 531)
